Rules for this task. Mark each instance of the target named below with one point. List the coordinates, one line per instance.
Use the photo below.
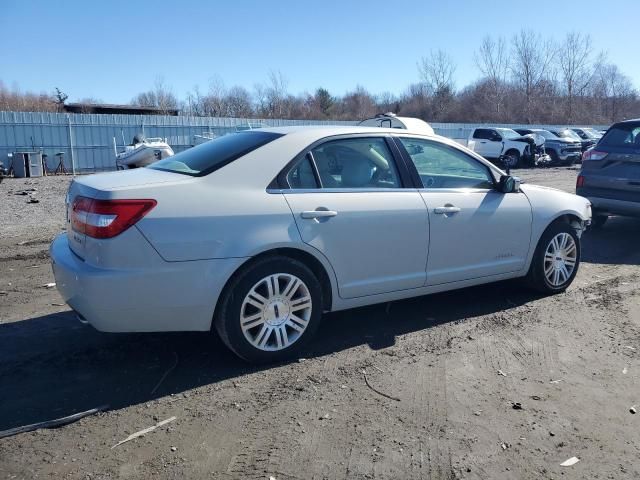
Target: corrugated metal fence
(87, 141)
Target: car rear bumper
(614, 207)
(167, 296)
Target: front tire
(556, 259)
(512, 159)
(270, 310)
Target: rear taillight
(107, 218)
(579, 181)
(593, 155)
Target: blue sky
(112, 50)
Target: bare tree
(531, 61)
(492, 60)
(575, 67)
(272, 98)
(613, 90)
(239, 102)
(388, 102)
(276, 93)
(17, 101)
(193, 104)
(437, 70)
(357, 105)
(215, 103)
(160, 97)
(415, 102)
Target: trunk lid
(122, 184)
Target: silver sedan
(257, 233)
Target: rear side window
(215, 154)
(622, 136)
(302, 175)
(356, 163)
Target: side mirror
(509, 184)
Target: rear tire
(270, 311)
(556, 260)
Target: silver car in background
(257, 233)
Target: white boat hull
(144, 154)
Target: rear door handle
(445, 210)
(319, 213)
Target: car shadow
(52, 366)
(615, 243)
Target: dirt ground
(456, 363)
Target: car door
(481, 141)
(351, 203)
(475, 230)
(493, 147)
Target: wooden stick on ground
(144, 431)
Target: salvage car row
(507, 147)
(529, 147)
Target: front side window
(443, 166)
(215, 154)
(482, 134)
(356, 163)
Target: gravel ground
(456, 362)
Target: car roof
(327, 130)
(631, 120)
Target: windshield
(592, 133)
(508, 133)
(546, 134)
(568, 134)
(215, 154)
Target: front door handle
(446, 209)
(319, 213)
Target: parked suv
(568, 134)
(563, 151)
(610, 173)
(586, 133)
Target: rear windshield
(215, 154)
(623, 135)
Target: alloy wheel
(560, 259)
(276, 311)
